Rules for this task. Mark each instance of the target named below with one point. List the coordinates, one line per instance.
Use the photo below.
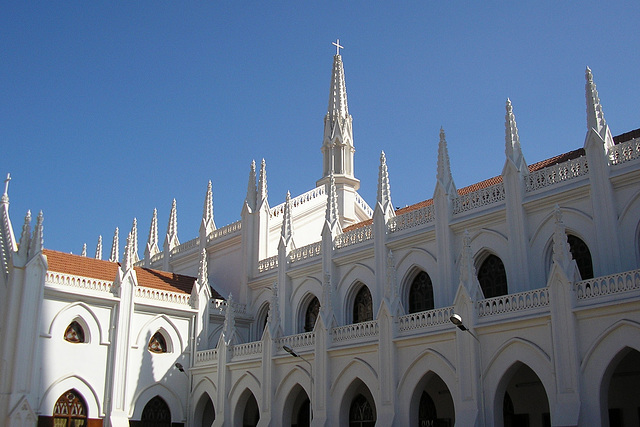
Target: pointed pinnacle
(25, 237)
(595, 113)
(114, 247)
(384, 189)
(5, 195)
(207, 210)
(262, 182)
(252, 191)
(99, 248)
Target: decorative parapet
(355, 236)
(556, 173)
(304, 252)
(307, 339)
(157, 257)
(513, 302)
(476, 199)
(364, 206)
(246, 349)
(355, 331)
(300, 200)
(207, 356)
(219, 306)
(425, 319)
(607, 285)
(411, 219)
(161, 295)
(624, 152)
(230, 229)
(186, 246)
(268, 264)
(53, 278)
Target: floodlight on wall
(457, 320)
(179, 366)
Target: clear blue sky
(108, 110)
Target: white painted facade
(553, 349)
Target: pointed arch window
(421, 293)
(361, 413)
(74, 333)
(156, 413)
(581, 254)
(492, 277)
(70, 410)
(157, 343)
(363, 306)
(311, 314)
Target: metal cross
(337, 45)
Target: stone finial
(207, 211)
(25, 237)
(262, 183)
(99, 248)
(444, 176)
(84, 250)
(37, 239)
(171, 239)
(127, 258)
(561, 250)
(5, 195)
(513, 150)
(134, 241)
(595, 114)
(114, 257)
(384, 188)
(286, 232)
(203, 272)
(152, 243)
(338, 107)
(252, 191)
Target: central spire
(338, 90)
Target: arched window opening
(581, 254)
(70, 410)
(431, 404)
(156, 413)
(421, 293)
(361, 413)
(623, 400)
(492, 277)
(363, 306)
(525, 400)
(205, 413)
(251, 413)
(157, 343)
(311, 314)
(261, 320)
(74, 333)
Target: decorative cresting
(303, 253)
(114, 247)
(607, 285)
(53, 278)
(479, 198)
(425, 319)
(299, 200)
(298, 341)
(228, 230)
(268, 264)
(521, 301)
(352, 237)
(556, 174)
(413, 218)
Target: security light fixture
(457, 320)
(290, 351)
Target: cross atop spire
(337, 45)
(5, 195)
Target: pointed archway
(247, 412)
(205, 413)
(296, 408)
(522, 399)
(431, 403)
(358, 408)
(620, 386)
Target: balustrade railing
(607, 285)
(299, 200)
(232, 228)
(157, 257)
(53, 278)
(186, 246)
(219, 306)
(207, 355)
(425, 319)
(625, 152)
(304, 252)
(556, 173)
(297, 341)
(268, 264)
(513, 302)
(410, 219)
(353, 237)
(356, 331)
(162, 295)
(476, 199)
(247, 349)
(365, 207)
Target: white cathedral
(511, 302)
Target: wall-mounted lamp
(457, 320)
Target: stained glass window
(70, 411)
(421, 293)
(74, 333)
(361, 413)
(157, 343)
(363, 306)
(156, 413)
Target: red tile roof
(105, 270)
